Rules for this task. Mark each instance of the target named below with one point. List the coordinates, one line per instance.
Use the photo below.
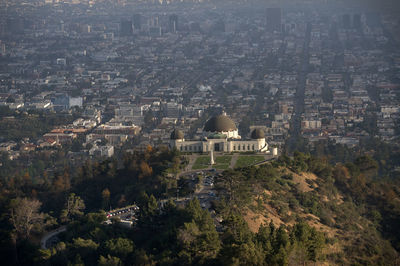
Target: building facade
(220, 135)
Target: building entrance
(216, 147)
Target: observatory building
(220, 135)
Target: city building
(126, 28)
(173, 23)
(274, 19)
(102, 151)
(137, 22)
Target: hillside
(297, 210)
(356, 212)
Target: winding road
(50, 235)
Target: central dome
(177, 134)
(220, 123)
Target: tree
(109, 261)
(105, 195)
(236, 190)
(263, 237)
(73, 208)
(25, 216)
(142, 259)
(78, 261)
(298, 254)
(281, 239)
(120, 247)
(86, 248)
(199, 241)
(367, 165)
(237, 231)
(246, 253)
(307, 237)
(152, 205)
(145, 170)
(341, 175)
(62, 182)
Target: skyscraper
(173, 23)
(346, 21)
(357, 21)
(274, 19)
(126, 28)
(137, 22)
(3, 48)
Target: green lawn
(246, 160)
(201, 162)
(225, 159)
(221, 162)
(221, 166)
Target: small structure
(102, 151)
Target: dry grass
(255, 220)
(301, 180)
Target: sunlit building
(220, 135)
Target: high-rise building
(62, 26)
(3, 48)
(274, 19)
(137, 22)
(126, 28)
(357, 21)
(154, 21)
(346, 22)
(173, 23)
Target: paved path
(192, 158)
(49, 235)
(269, 159)
(234, 159)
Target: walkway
(234, 159)
(192, 158)
(51, 234)
(266, 161)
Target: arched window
(244, 147)
(234, 147)
(248, 147)
(253, 147)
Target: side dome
(177, 134)
(257, 134)
(220, 123)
